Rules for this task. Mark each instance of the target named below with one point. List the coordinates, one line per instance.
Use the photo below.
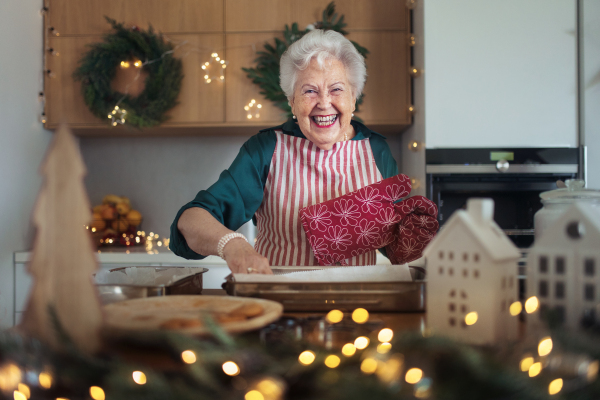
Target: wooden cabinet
(235, 29)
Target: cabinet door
(85, 17)
(257, 15)
(387, 91)
(239, 90)
(198, 102)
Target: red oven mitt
(367, 219)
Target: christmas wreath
(146, 50)
(266, 73)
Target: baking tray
(191, 284)
(345, 296)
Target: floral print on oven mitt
(367, 219)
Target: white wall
(23, 141)
(591, 88)
(500, 73)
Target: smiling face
(323, 103)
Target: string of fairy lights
(377, 358)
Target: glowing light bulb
(249, 116)
(252, 101)
(545, 346)
(413, 375)
(231, 368)
(208, 81)
(332, 361)
(385, 335)
(204, 67)
(222, 61)
(306, 357)
(555, 386)
(97, 393)
(23, 388)
(188, 357)
(259, 106)
(124, 64)
(246, 108)
(19, 396)
(535, 369)
(205, 76)
(383, 348)
(254, 395)
(368, 366)
(531, 305)
(138, 64)
(45, 380)
(224, 66)
(526, 363)
(334, 316)
(360, 316)
(361, 342)
(139, 377)
(213, 55)
(218, 58)
(471, 318)
(348, 350)
(515, 308)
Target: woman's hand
(243, 259)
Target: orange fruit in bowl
(134, 217)
(109, 213)
(123, 208)
(97, 222)
(120, 225)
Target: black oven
(512, 177)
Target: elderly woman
(319, 155)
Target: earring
(353, 114)
(293, 116)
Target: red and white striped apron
(300, 175)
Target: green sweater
(238, 193)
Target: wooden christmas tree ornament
(63, 294)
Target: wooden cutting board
(186, 314)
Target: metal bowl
(189, 284)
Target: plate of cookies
(187, 314)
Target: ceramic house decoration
(472, 278)
(563, 267)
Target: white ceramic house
(563, 267)
(472, 267)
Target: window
(559, 290)
(543, 289)
(452, 322)
(465, 273)
(476, 274)
(465, 257)
(441, 271)
(451, 307)
(559, 313)
(450, 271)
(463, 294)
(463, 309)
(476, 257)
(543, 264)
(441, 255)
(588, 292)
(503, 285)
(452, 293)
(451, 255)
(560, 265)
(589, 266)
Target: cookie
(180, 323)
(248, 310)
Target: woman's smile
(324, 121)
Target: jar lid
(573, 189)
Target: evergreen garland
(266, 73)
(98, 67)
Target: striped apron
(301, 175)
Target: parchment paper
(369, 273)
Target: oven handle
(512, 169)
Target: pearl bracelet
(225, 239)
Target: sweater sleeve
(236, 195)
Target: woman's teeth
(324, 121)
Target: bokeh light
(471, 318)
(368, 366)
(334, 316)
(383, 348)
(348, 350)
(555, 386)
(361, 342)
(306, 357)
(188, 357)
(531, 305)
(526, 363)
(23, 388)
(231, 368)
(515, 308)
(332, 361)
(385, 335)
(535, 369)
(139, 377)
(254, 395)
(45, 380)
(545, 346)
(413, 375)
(97, 393)
(360, 316)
